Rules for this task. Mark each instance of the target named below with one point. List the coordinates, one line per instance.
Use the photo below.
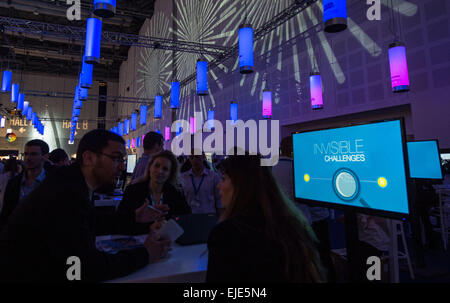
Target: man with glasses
(35, 155)
(57, 221)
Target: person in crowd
(158, 186)
(12, 169)
(200, 187)
(59, 157)
(35, 155)
(57, 221)
(153, 144)
(261, 236)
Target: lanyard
(160, 199)
(197, 189)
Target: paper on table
(170, 230)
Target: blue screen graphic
(361, 166)
(424, 160)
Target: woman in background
(156, 187)
(262, 236)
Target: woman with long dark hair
(262, 236)
(156, 187)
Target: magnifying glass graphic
(346, 184)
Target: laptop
(196, 227)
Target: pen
(155, 209)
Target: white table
(184, 264)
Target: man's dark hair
(58, 155)
(37, 142)
(96, 140)
(152, 138)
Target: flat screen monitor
(424, 160)
(445, 157)
(360, 166)
(131, 163)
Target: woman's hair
(255, 190)
(173, 176)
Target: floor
(437, 260)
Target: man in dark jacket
(36, 155)
(56, 222)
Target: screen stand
(416, 229)
(352, 243)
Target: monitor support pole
(415, 227)
(351, 239)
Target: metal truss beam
(295, 8)
(72, 33)
(64, 95)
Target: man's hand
(144, 214)
(156, 247)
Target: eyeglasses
(116, 159)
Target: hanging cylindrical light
(233, 112)
(167, 133)
(202, 77)
(192, 124)
(245, 49)
(143, 114)
(34, 119)
(133, 122)
(210, 123)
(120, 128)
(129, 144)
(93, 40)
(126, 126)
(315, 86)
(175, 94)
(82, 93)
(77, 103)
(30, 113)
(334, 15)
(157, 114)
(86, 74)
(26, 105)
(15, 93)
(6, 81)
(76, 112)
(105, 8)
(266, 104)
(133, 143)
(398, 67)
(20, 101)
(138, 141)
(2, 123)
